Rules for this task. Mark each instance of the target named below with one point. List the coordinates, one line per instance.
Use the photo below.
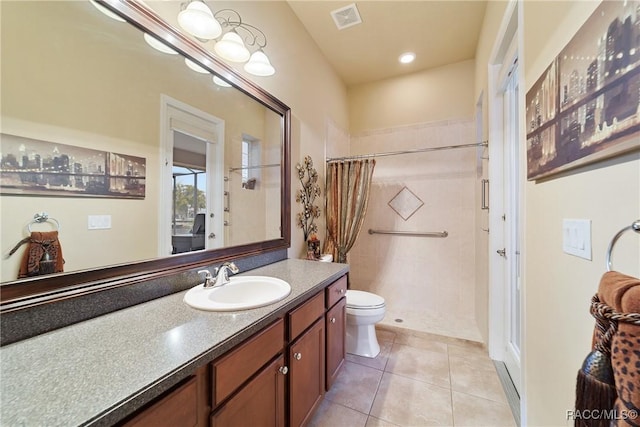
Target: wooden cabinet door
(261, 402)
(306, 374)
(336, 323)
(177, 408)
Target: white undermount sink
(242, 293)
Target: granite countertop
(98, 371)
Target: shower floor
(433, 322)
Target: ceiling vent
(346, 17)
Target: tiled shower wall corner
(428, 283)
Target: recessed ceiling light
(407, 57)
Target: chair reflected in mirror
(192, 241)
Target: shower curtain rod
(395, 153)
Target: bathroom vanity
(165, 363)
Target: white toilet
(364, 310)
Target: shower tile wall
(428, 283)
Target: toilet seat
(361, 300)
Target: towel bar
(635, 226)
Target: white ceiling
(439, 32)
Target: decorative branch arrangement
(306, 195)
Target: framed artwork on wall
(585, 107)
(43, 168)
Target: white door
(192, 196)
(512, 224)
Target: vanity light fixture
(407, 57)
(235, 39)
(197, 19)
(195, 67)
(217, 80)
(232, 48)
(259, 64)
(158, 45)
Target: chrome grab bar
(411, 233)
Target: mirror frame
(18, 294)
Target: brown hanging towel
(609, 380)
(43, 255)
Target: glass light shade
(158, 45)
(259, 65)
(195, 67)
(106, 11)
(217, 80)
(232, 48)
(198, 20)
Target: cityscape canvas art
(586, 105)
(42, 168)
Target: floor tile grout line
(417, 380)
(453, 414)
(481, 397)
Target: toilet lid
(361, 299)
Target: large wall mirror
(145, 163)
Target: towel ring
(635, 226)
(43, 217)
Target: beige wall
(307, 84)
(559, 286)
(437, 94)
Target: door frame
(510, 30)
(199, 124)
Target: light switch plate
(576, 237)
(99, 222)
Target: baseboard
(509, 389)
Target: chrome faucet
(221, 275)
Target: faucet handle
(207, 274)
(208, 278)
(234, 268)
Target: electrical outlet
(576, 237)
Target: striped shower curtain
(348, 185)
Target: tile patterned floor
(416, 380)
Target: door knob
(333, 320)
(297, 356)
(502, 252)
(283, 370)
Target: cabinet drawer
(304, 316)
(237, 366)
(179, 407)
(336, 290)
(259, 403)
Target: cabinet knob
(333, 320)
(297, 356)
(341, 291)
(283, 370)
